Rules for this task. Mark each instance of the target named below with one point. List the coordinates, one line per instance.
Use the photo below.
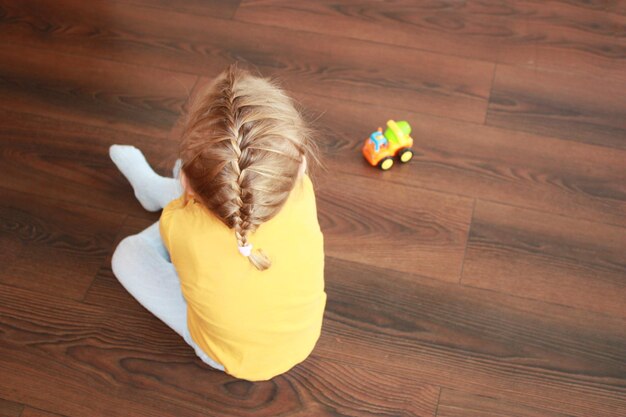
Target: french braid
(241, 148)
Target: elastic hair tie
(245, 250)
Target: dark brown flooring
(485, 278)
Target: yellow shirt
(258, 324)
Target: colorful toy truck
(380, 149)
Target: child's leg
(153, 191)
(141, 264)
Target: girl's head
(242, 149)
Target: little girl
(235, 265)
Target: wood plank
(10, 409)
(562, 35)
(554, 104)
(111, 364)
(461, 404)
(401, 228)
(223, 9)
(557, 358)
(50, 157)
(547, 257)
(54, 246)
(526, 170)
(327, 65)
(91, 90)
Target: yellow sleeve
(164, 229)
(165, 222)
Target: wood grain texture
(105, 290)
(526, 170)
(519, 172)
(224, 9)
(328, 65)
(119, 365)
(62, 364)
(53, 246)
(482, 342)
(403, 228)
(10, 409)
(32, 412)
(360, 392)
(575, 107)
(69, 161)
(461, 404)
(574, 36)
(139, 35)
(619, 7)
(93, 91)
(547, 257)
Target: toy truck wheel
(385, 163)
(405, 155)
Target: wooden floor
(485, 278)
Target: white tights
(142, 265)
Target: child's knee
(125, 252)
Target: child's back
(244, 238)
(257, 324)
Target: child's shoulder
(172, 207)
(187, 212)
(179, 208)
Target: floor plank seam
(493, 81)
(469, 231)
(419, 279)
(438, 401)
(106, 259)
(483, 124)
(502, 203)
(551, 303)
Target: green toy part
(396, 129)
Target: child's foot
(131, 162)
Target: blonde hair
(242, 147)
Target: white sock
(152, 190)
